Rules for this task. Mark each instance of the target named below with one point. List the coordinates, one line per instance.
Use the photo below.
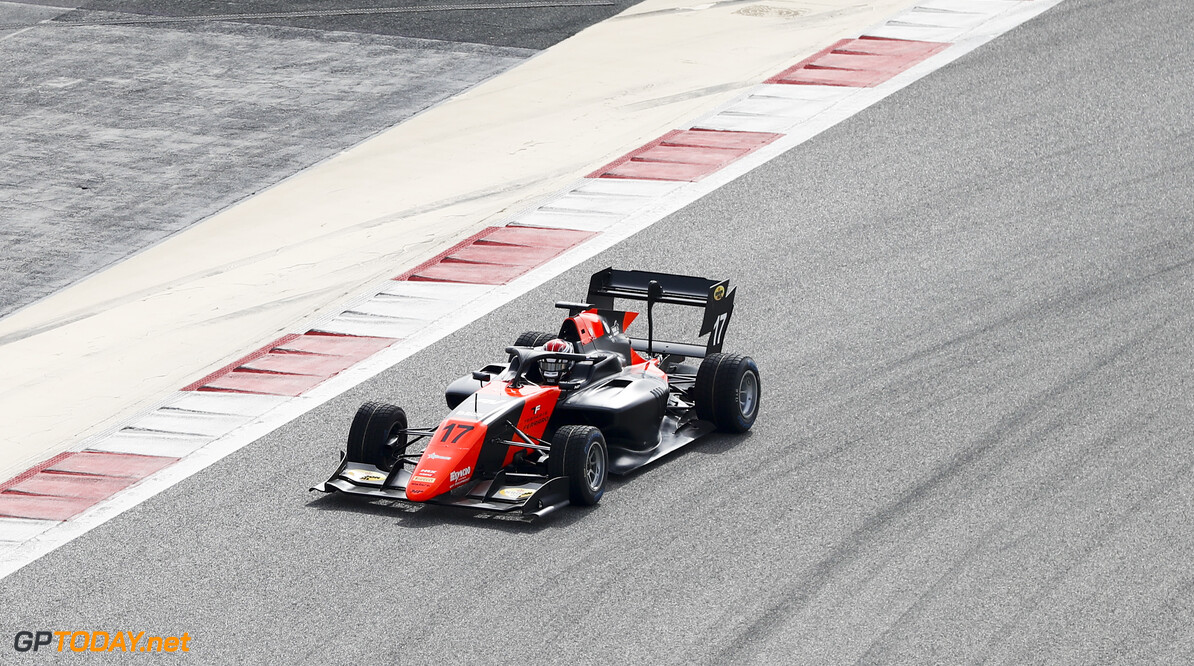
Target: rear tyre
(727, 391)
(378, 435)
(580, 453)
(533, 339)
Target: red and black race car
(544, 429)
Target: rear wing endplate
(715, 296)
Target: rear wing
(715, 296)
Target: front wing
(507, 492)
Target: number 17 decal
(719, 327)
(464, 428)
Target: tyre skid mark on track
(973, 466)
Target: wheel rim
(594, 467)
(748, 394)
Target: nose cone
(421, 491)
(448, 462)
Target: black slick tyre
(727, 391)
(533, 339)
(378, 435)
(580, 453)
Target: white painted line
(17, 530)
(732, 122)
(173, 420)
(919, 33)
(764, 114)
(477, 301)
(627, 187)
(440, 291)
(775, 108)
(414, 311)
(827, 94)
(383, 315)
(941, 20)
(560, 220)
(757, 105)
(369, 325)
(593, 205)
(987, 8)
(241, 404)
(147, 443)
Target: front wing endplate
(529, 494)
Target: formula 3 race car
(545, 428)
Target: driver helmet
(554, 369)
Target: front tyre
(727, 391)
(378, 435)
(580, 453)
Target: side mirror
(481, 376)
(573, 308)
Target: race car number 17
(719, 327)
(461, 429)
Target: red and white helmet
(553, 369)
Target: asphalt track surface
(970, 305)
(116, 136)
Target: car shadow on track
(431, 515)
(715, 444)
